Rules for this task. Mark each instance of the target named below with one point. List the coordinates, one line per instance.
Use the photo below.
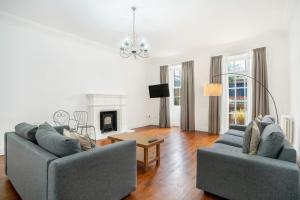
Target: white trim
(174, 109)
(107, 102)
(225, 96)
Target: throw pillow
(247, 138)
(271, 141)
(49, 139)
(255, 139)
(268, 119)
(26, 131)
(262, 123)
(84, 140)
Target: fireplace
(108, 121)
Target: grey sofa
(227, 172)
(106, 173)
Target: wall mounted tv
(161, 90)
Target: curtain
(164, 111)
(214, 114)
(187, 97)
(260, 101)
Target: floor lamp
(215, 89)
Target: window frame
(176, 68)
(225, 98)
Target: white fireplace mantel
(107, 102)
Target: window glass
(237, 90)
(177, 86)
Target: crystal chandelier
(133, 45)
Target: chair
(82, 122)
(62, 118)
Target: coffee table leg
(158, 154)
(146, 159)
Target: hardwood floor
(174, 179)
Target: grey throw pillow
(268, 119)
(247, 138)
(49, 139)
(271, 141)
(255, 139)
(262, 123)
(26, 131)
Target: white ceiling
(169, 26)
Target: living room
(174, 78)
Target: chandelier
(134, 45)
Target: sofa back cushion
(48, 138)
(271, 141)
(26, 131)
(287, 152)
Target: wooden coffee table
(142, 141)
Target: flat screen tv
(161, 90)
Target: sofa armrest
(235, 175)
(108, 173)
(238, 127)
(26, 166)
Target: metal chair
(82, 122)
(62, 118)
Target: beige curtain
(164, 111)
(214, 114)
(187, 99)
(260, 101)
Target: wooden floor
(174, 179)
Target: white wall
(295, 72)
(43, 70)
(278, 72)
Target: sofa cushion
(271, 142)
(287, 152)
(255, 138)
(238, 127)
(231, 140)
(26, 131)
(49, 139)
(225, 147)
(235, 132)
(247, 138)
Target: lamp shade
(213, 89)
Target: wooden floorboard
(174, 179)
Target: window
(238, 90)
(177, 86)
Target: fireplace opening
(108, 121)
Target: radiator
(287, 125)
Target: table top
(142, 138)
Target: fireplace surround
(97, 102)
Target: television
(161, 90)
